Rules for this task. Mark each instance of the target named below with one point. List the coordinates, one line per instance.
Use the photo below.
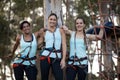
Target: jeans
(55, 66)
(31, 72)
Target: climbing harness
(25, 58)
(74, 58)
(51, 50)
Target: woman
(25, 60)
(54, 53)
(77, 62)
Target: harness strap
(51, 50)
(22, 65)
(16, 65)
(27, 59)
(44, 57)
(48, 56)
(75, 59)
(72, 67)
(75, 67)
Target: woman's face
(79, 24)
(52, 21)
(26, 28)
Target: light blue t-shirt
(24, 49)
(49, 40)
(80, 49)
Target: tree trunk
(53, 6)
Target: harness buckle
(76, 58)
(54, 50)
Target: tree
(53, 6)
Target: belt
(18, 64)
(53, 50)
(27, 58)
(78, 59)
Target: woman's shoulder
(18, 37)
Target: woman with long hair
(77, 61)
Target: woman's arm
(63, 48)
(67, 31)
(96, 37)
(17, 42)
(40, 36)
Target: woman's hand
(65, 27)
(66, 30)
(62, 63)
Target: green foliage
(20, 8)
(80, 7)
(39, 24)
(70, 23)
(4, 35)
(3, 29)
(32, 4)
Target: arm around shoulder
(40, 32)
(67, 31)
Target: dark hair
(80, 18)
(21, 25)
(53, 14)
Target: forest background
(12, 12)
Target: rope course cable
(109, 48)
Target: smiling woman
(25, 59)
(54, 54)
(78, 60)
(52, 21)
